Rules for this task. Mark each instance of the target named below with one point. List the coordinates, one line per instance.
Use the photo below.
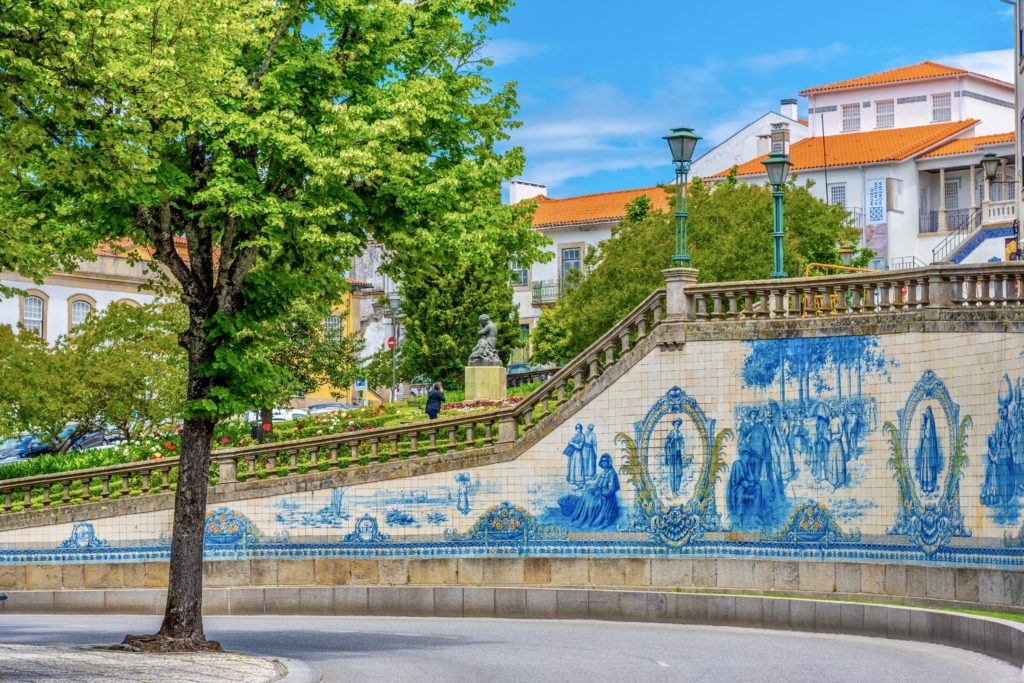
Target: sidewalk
(87, 664)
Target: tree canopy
(730, 238)
(121, 367)
(254, 146)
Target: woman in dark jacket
(434, 400)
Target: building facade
(902, 151)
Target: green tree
(135, 369)
(122, 366)
(443, 306)
(730, 232)
(272, 153)
(295, 355)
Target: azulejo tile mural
(929, 480)
(898, 448)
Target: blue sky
(600, 82)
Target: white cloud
(504, 52)
(800, 56)
(992, 63)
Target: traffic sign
(391, 342)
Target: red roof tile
(851, 149)
(968, 145)
(914, 72)
(594, 208)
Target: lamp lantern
(990, 162)
(777, 165)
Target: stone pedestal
(485, 382)
(678, 304)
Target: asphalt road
(366, 649)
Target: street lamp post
(395, 304)
(777, 165)
(682, 141)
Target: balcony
(548, 292)
(1000, 212)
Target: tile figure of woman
(835, 465)
(928, 458)
(1002, 473)
(675, 443)
(598, 507)
(590, 454)
(462, 498)
(821, 444)
(755, 488)
(574, 473)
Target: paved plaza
(400, 649)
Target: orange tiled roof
(851, 149)
(968, 145)
(359, 284)
(594, 208)
(914, 72)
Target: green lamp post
(682, 142)
(777, 165)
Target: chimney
(788, 108)
(518, 190)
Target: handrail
(956, 235)
(934, 286)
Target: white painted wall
(995, 118)
(56, 312)
(743, 145)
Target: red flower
(171, 447)
(156, 434)
(168, 445)
(158, 456)
(225, 439)
(266, 427)
(181, 430)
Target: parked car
(516, 368)
(285, 414)
(325, 408)
(24, 446)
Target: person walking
(434, 400)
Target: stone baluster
(489, 432)
(293, 461)
(353, 452)
(641, 327)
(374, 450)
(143, 482)
(46, 495)
(272, 462)
(27, 501)
(393, 445)
(609, 355)
(470, 437)
(624, 341)
(560, 394)
(105, 490)
(593, 369)
(433, 443)
(7, 501)
(700, 305)
(1004, 290)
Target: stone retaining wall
(911, 584)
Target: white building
(902, 151)
(66, 299)
(751, 141)
(574, 225)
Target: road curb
(296, 671)
(990, 636)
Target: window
(521, 277)
(80, 310)
(524, 335)
(952, 193)
(942, 107)
(332, 327)
(851, 117)
(570, 261)
(837, 194)
(32, 314)
(885, 114)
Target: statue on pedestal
(486, 350)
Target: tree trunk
(182, 627)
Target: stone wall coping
(998, 638)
